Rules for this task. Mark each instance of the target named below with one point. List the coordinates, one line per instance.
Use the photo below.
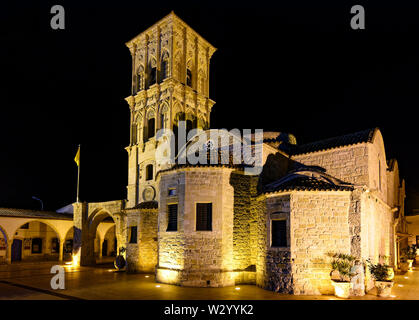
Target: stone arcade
(213, 225)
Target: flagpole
(78, 178)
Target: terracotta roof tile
(336, 142)
(26, 213)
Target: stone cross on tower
(170, 83)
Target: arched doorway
(68, 245)
(3, 246)
(35, 241)
(102, 238)
(108, 243)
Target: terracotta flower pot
(342, 289)
(384, 288)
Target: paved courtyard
(31, 281)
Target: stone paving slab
(105, 283)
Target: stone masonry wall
(147, 240)
(171, 245)
(197, 258)
(349, 164)
(319, 224)
(377, 232)
(245, 227)
(278, 271)
(259, 208)
(142, 256)
(133, 255)
(241, 230)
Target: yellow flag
(77, 158)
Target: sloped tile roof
(146, 205)
(336, 142)
(307, 179)
(26, 213)
(307, 184)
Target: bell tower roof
(170, 21)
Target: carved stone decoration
(164, 108)
(168, 44)
(149, 193)
(150, 113)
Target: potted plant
(410, 254)
(404, 265)
(386, 260)
(341, 274)
(380, 273)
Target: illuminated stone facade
(170, 83)
(336, 195)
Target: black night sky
(294, 67)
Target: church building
(214, 225)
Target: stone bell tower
(170, 83)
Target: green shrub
(379, 271)
(342, 263)
(410, 252)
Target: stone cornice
(171, 19)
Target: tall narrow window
(279, 233)
(172, 217)
(133, 235)
(203, 216)
(163, 71)
(162, 121)
(153, 73)
(189, 126)
(149, 172)
(189, 77)
(150, 128)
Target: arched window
(152, 73)
(149, 172)
(164, 116)
(189, 77)
(164, 67)
(151, 128)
